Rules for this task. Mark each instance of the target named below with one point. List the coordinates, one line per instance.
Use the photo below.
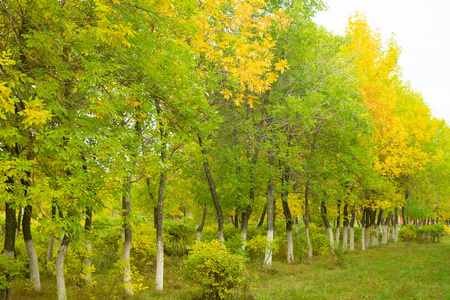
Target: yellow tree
(402, 121)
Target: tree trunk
(367, 227)
(87, 259)
(126, 210)
(31, 251)
(345, 229)
(52, 238)
(244, 225)
(263, 216)
(212, 188)
(327, 225)
(202, 224)
(374, 241)
(395, 227)
(363, 231)
(338, 224)
(60, 281)
(287, 215)
(306, 220)
(19, 220)
(159, 234)
(270, 218)
(352, 231)
(10, 240)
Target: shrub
(217, 271)
(177, 236)
(408, 233)
(320, 243)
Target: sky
(421, 29)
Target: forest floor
(393, 271)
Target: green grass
(394, 271)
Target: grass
(393, 271)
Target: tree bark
(159, 234)
(126, 210)
(270, 218)
(287, 214)
(244, 225)
(10, 238)
(327, 225)
(338, 224)
(212, 188)
(202, 224)
(263, 216)
(345, 229)
(352, 232)
(60, 281)
(52, 237)
(306, 221)
(87, 259)
(31, 250)
(395, 227)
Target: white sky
(422, 30)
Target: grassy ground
(395, 271)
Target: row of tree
(223, 104)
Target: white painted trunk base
(60, 282)
(268, 255)
(199, 236)
(352, 239)
(243, 239)
(330, 236)
(159, 265)
(396, 233)
(126, 268)
(367, 237)
(338, 236)
(34, 266)
(384, 238)
(308, 243)
(345, 238)
(363, 239)
(374, 238)
(290, 247)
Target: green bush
(320, 243)
(178, 235)
(408, 233)
(218, 272)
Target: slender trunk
(159, 234)
(345, 229)
(327, 225)
(202, 224)
(352, 230)
(338, 224)
(10, 240)
(395, 227)
(31, 251)
(263, 216)
(374, 241)
(270, 218)
(244, 224)
(212, 189)
(87, 259)
(52, 237)
(60, 281)
(287, 215)
(367, 227)
(19, 221)
(306, 220)
(363, 231)
(126, 210)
